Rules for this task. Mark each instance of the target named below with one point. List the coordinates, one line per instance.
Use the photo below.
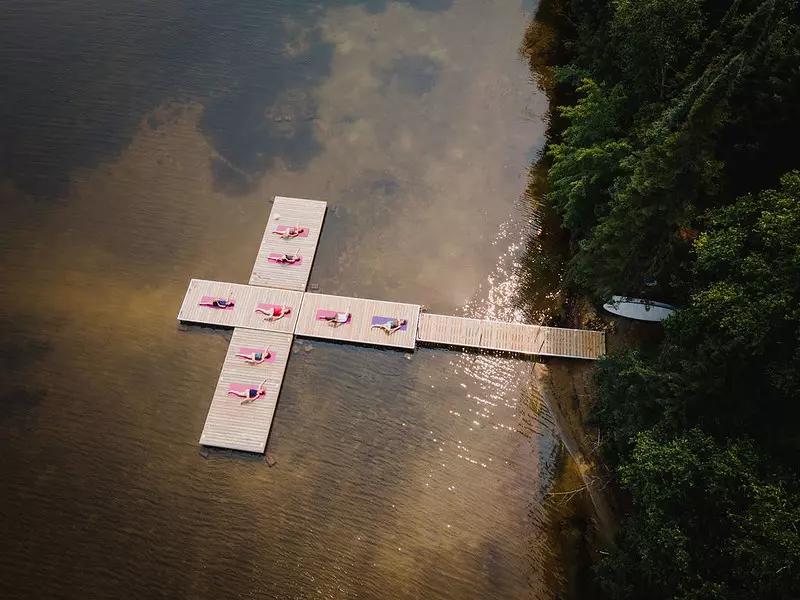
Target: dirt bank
(586, 505)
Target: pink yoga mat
(382, 320)
(205, 300)
(252, 350)
(242, 387)
(287, 311)
(321, 314)
(282, 228)
(275, 258)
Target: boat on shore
(639, 309)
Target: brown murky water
(141, 143)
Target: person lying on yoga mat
(290, 232)
(336, 319)
(256, 358)
(274, 313)
(391, 325)
(251, 394)
(288, 258)
(219, 303)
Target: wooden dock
(245, 426)
(231, 424)
(289, 212)
(511, 337)
(246, 298)
(359, 329)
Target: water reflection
(157, 131)
(80, 78)
(410, 74)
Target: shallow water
(141, 143)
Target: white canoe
(636, 308)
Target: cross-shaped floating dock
(268, 313)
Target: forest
(672, 164)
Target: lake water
(140, 145)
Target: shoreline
(586, 507)
(582, 504)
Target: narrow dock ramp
(231, 424)
(289, 212)
(511, 337)
(456, 331)
(365, 314)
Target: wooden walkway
(359, 329)
(231, 424)
(289, 212)
(511, 337)
(246, 298)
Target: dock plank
(229, 423)
(289, 212)
(359, 329)
(443, 329)
(246, 299)
(509, 337)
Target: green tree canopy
(684, 111)
(730, 360)
(589, 158)
(738, 342)
(709, 523)
(641, 158)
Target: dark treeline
(672, 167)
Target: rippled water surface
(140, 143)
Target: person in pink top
(274, 313)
